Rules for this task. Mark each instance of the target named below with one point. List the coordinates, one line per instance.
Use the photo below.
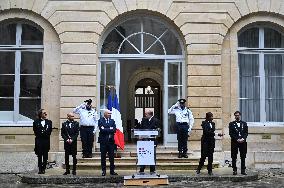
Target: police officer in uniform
(149, 122)
(42, 128)
(238, 131)
(106, 139)
(207, 143)
(69, 133)
(184, 123)
(88, 125)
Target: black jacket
(207, 139)
(154, 123)
(106, 135)
(67, 132)
(208, 132)
(238, 132)
(42, 135)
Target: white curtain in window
(274, 85)
(249, 87)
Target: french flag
(116, 116)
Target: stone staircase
(167, 160)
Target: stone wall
(19, 137)
(73, 32)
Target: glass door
(173, 90)
(109, 79)
(109, 82)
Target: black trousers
(87, 138)
(42, 160)
(182, 137)
(152, 167)
(207, 150)
(210, 161)
(107, 148)
(235, 147)
(67, 162)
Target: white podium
(146, 156)
(145, 146)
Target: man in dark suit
(69, 133)
(42, 128)
(149, 122)
(106, 139)
(238, 131)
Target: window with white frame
(261, 74)
(21, 54)
(143, 36)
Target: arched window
(142, 35)
(21, 54)
(261, 74)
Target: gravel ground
(267, 179)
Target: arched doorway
(148, 96)
(136, 44)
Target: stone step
(184, 178)
(129, 166)
(160, 159)
(132, 148)
(161, 153)
(17, 147)
(158, 148)
(158, 153)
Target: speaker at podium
(146, 156)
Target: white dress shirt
(42, 122)
(87, 117)
(239, 124)
(182, 115)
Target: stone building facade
(209, 35)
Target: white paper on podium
(145, 153)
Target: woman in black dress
(42, 128)
(207, 143)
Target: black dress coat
(235, 134)
(106, 135)
(238, 132)
(67, 133)
(154, 123)
(207, 139)
(42, 135)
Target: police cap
(89, 101)
(182, 101)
